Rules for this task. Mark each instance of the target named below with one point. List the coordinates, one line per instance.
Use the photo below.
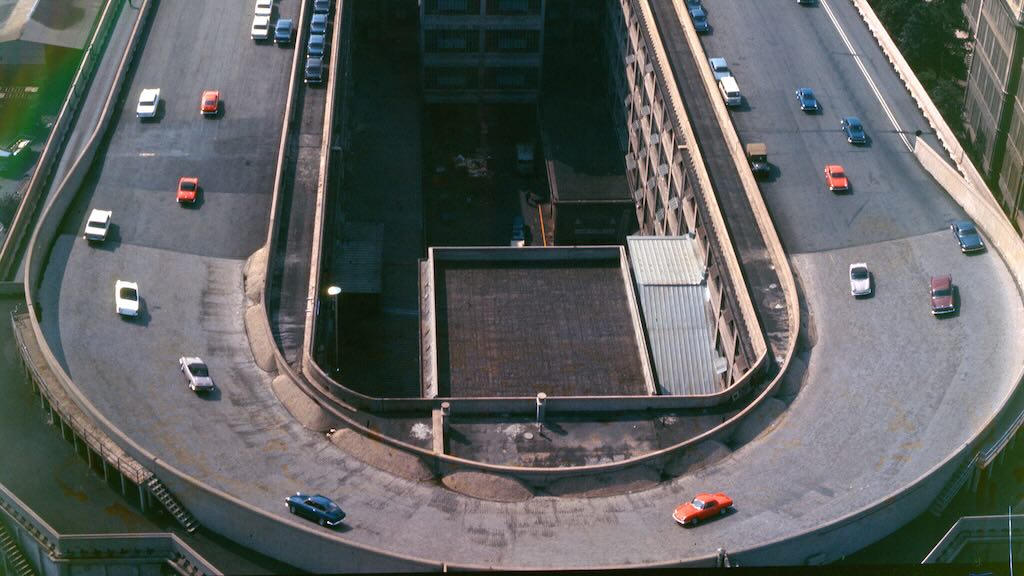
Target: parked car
(284, 30)
(967, 236)
(854, 130)
(188, 190)
(808, 102)
(209, 104)
(197, 374)
(260, 27)
(318, 24)
(835, 178)
(321, 6)
(317, 45)
(264, 7)
(700, 18)
(317, 508)
(719, 67)
(126, 298)
(314, 71)
(702, 507)
(941, 293)
(97, 224)
(149, 101)
(860, 280)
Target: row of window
(469, 78)
(468, 41)
(482, 7)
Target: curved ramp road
(888, 391)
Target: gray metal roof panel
(665, 260)
(679, 333)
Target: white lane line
(147, 154)
(864, 71)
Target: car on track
(317, 45)
(264, 7)
(260, 27)
(835, 178)
(702, 507)
(196, 372)
(719, 68)
(126, 298)
(860, 280)
(700, 18)
(940, 289)
(318, 24)
(321, 6)
(314, 71)
(97, 225)
(149, 101)
(967, 236)
(808, 101)
(317, 508)
(284, 30)
(188, 190)
(209, 104)
(854, 130)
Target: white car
(264, 7)
(97, 225)
(149, 101)
(260, 27)
(197, 374)
(860, 280)
(126, 298)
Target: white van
(730, 91)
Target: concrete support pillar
(124, 489)
(142, 499)
(542, 400)
(446, 416)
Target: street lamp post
(333, 292)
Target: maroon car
(941, 291)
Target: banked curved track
(888, 392)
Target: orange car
(210, 103)
(702, 507)
(188, 189)
(835, 178)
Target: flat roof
(512, 322)
(65, 23)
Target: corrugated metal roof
(359, 258)
(665, 260)
(670, 280)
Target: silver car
(860, 280)
(197, 374)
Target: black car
(317, 508)
(314, 72)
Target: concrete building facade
(484, 51)
(994, 106)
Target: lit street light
(333, 292)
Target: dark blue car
(808, 103)
(967, 236)
(317, 508)
(700, 18)
(854, 130)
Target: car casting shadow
(210, 395)
(725, 513)
(142, 318)
(197, 203)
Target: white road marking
(147, 154)
(864, 71)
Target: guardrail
(48, 161)
(969, 530)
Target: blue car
(854, 130)
(700, 18)
(283, 31)
(317, 508)
(318, 24)
(808, 103)
(967, 236)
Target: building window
(451, 7)
(513, 41)
(451, 41)
(511, 7)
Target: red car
(702, 507)
(941, 291)
(210, 103)
(188, 189)
(835, 178)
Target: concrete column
(446, 415)
(542, 400)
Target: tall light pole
(333, 292)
